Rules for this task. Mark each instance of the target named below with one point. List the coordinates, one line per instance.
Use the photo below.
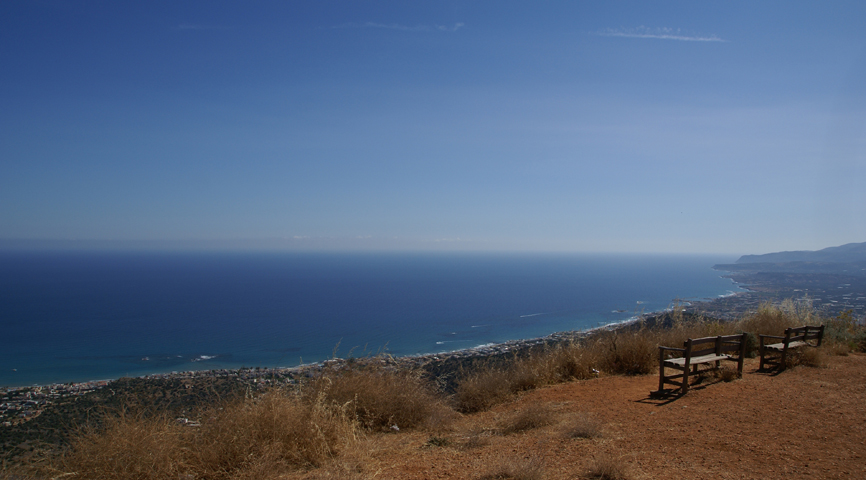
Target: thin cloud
(404, 28)
(659, 34)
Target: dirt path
(803, 423)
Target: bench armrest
(683, 350)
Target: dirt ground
(806, 422)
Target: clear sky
(718, 127)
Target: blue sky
(694, 127)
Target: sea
(81, 316)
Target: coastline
(29, 402)
(415, 361)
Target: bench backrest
(695, 347)
(804, 334)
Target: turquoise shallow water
(83, 316)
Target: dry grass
(606, 467)
(131, 446)
(585, 425)
(353, 463)
(529, 418)
(382, 399)
(728, 374)
(628, 353)
(482, 389)
(257, 438)
(835, 348)
(620, 352)
(486, 386)
(806, 356)
(475, 439)
(515, 469)
(774, 319)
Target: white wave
(533, 315)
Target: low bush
(844, 333)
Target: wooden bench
(698, 351)
(777, 353)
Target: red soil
(802, 423)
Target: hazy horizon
(703, 128)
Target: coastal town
(21, 404)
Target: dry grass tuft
(275, 428)
(628, 352)
(806, 356)
(728, 374)
(606, 467)
(352, 464)
(774, 319)
(482, 389)
(515, 469)
(436, 441)
(534, 416)
(381, 398)
(475, 439)
(131, 446)
(573, 361)
(584, 425)
(254, 438)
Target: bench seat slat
(696, 360)
(781, 346)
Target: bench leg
(685, 388)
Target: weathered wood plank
(699, 351)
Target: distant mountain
(850, 253)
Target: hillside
(803, 423)
(832, 279)
(851, 252)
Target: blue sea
(78, 316)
